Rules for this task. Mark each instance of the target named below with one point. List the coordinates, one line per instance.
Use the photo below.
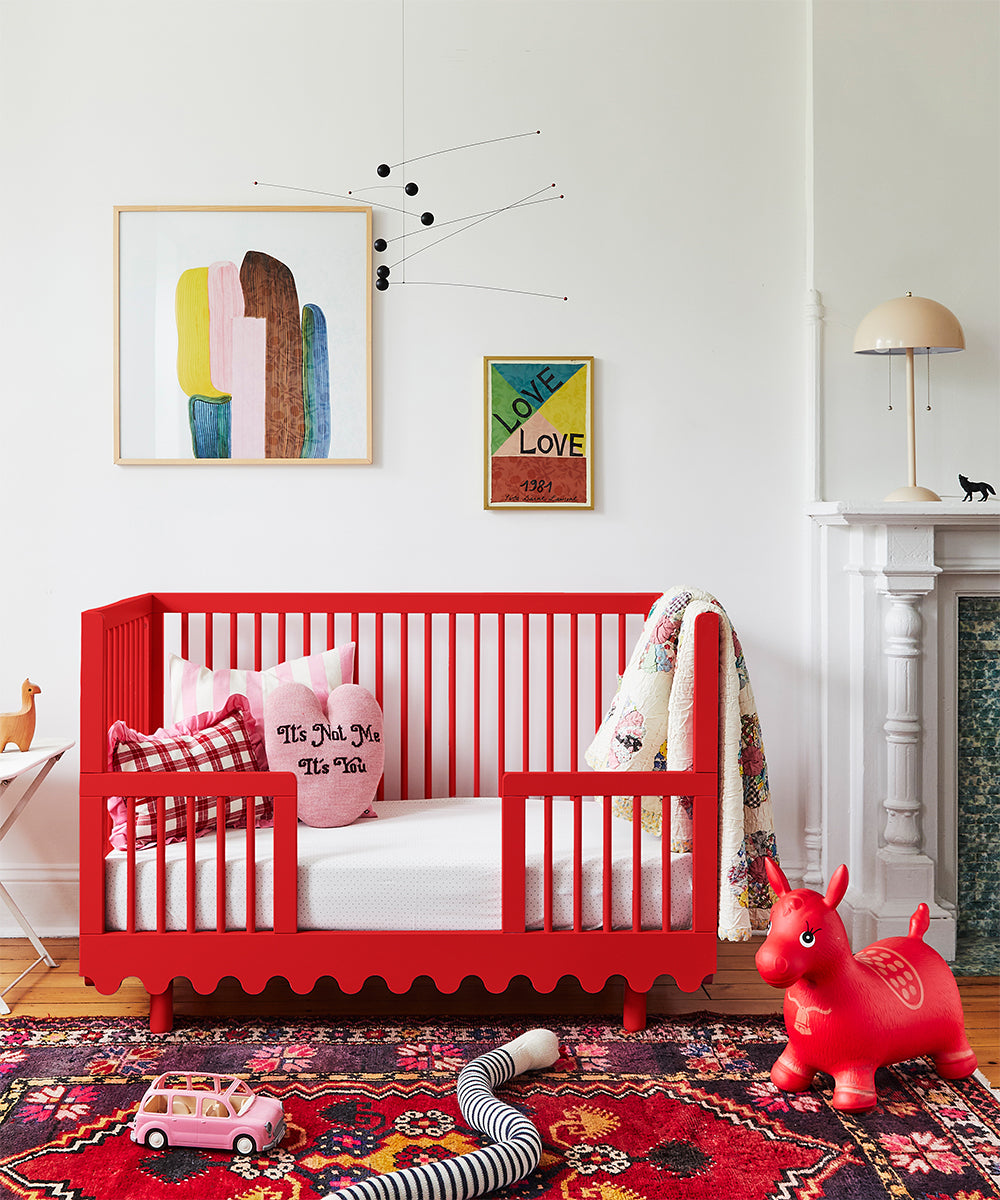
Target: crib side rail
(96, 787)
(603, 787)
(699, 786)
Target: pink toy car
(218, 1112)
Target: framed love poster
(539, 432)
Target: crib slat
(577, 864)
(547, 861)
(130, 865)
(621, 644)
(501, 696)
(128, 640)
(476, 702)
(114, 677)
(148, 663)
(161, 864)
(550, 693)
(282, 644)
(153, 659)
(705, 857)
(306, 634)
(706, 698)
(258, 641)
(108, 698)
(250, 815)
(190, 884)
(135, 672)
(355, 630)
(404, 706)
(525, 693)
(512, 841)
(186, 636)
(380, 683)
(428, 706)
(665, 863)
(285, 857)
(379, 659)
(220, 864)
(331, 630)
(598, 670)
(574, 689)
(209, 619)
(130, 678)
(607, 880)
(452, 702)
(234, 641)
(636, 863)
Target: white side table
(22, 764)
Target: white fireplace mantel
(888, 580)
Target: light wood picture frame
(243, 335)
(539, 432)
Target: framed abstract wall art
(539, 432)
(243, 335)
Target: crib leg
(634, 1013)
(161, 1010)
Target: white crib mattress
(422, 864)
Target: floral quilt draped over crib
(649, 728)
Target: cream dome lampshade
(910, 325)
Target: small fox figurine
(19, 727)
(985, 490)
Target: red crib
(494, 694)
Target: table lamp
(910, 325)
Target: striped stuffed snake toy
(517, 1147)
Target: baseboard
(49, 896)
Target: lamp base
(913, 493)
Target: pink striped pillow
(195, 689)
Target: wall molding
(41, 873)
(48, 893)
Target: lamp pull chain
(888, 359)
(928, 379)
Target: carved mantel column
(904, 574)
(902, 725)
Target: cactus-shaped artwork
(243, 335)
(254, 367)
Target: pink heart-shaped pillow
(338, 755)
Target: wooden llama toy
(19, 727)
(849, 1014)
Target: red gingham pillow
(219, 741)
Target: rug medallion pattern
(683, 1109)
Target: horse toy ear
(776, 877)
(837, 887)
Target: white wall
(907, 131)
(676, 131)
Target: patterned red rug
(684, 1109)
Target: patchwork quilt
(649, 728)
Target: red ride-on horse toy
(851, 1014)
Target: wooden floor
(736, 989)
